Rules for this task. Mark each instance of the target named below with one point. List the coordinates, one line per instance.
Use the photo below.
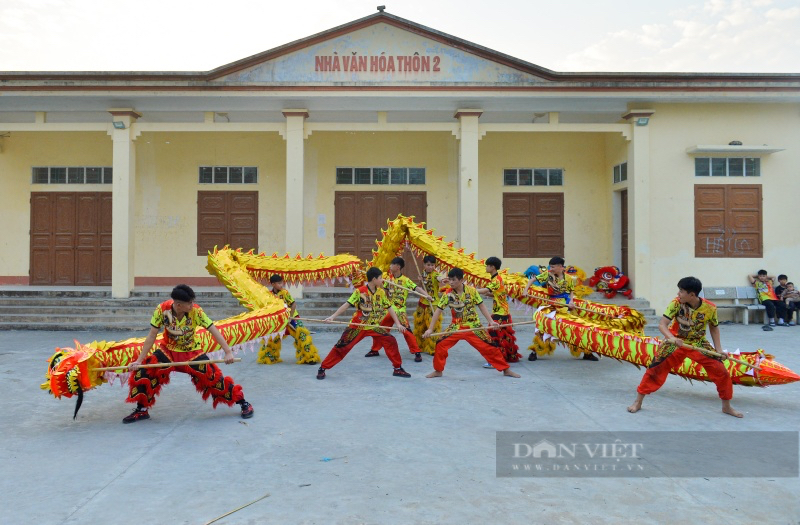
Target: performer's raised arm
(338, 312)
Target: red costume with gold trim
(505, 337)
(180, 344)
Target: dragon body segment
(611, 330)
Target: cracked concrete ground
(364, 447)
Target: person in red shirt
(684, 323)
(181, 317)
(373, 306)
(464, 302)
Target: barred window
(380, 175)
(71, 175)
(621, 172)
(533, 177)
(727, 167)
(228, 175)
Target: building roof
(296, 75)
(194, 80)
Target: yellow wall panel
(23, 150)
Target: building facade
(128, 179)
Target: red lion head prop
(610, 280)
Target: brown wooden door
(360, 216)
(70, 238)
(728, 220)
(227, 217)
(623, 237)
(533, 224)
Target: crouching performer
(181, 317)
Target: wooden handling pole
(165, 365)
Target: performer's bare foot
(435, 373)
(508, 373)
(637, 405)
(728, 409)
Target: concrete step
(31, 291)
(82, 311)
(135, 329)
(76, 309)
(103, 303)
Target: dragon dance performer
(398, 295)
(424, 312)
(560, 287)
(373, 306)
(305, 351)
(464, 302)
(181, 317)
(503, 337)
(685, 322)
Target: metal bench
(748, 293)
(743, 297)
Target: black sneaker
(399, 372)
(321, 373)
(137, 414)
(533, 357)
(418, 357)
(247, 409)
(372, 353)
(590, 357)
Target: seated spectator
(782, 281)
(766, 296)
(791, 298)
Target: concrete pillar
(295, 176)
(123, 191)
(468, 210)
(639, 231)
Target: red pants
(505, 338)
(491, 353)
(657, 372)
(411, 341)
(351, 337)
(145, 383)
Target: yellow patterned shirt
(463, 306)
(432, 286)
(500, 304)
(285, 296)
(372, 306)
(398, 296)
(556, 287)
(690, 324)
(179, 334)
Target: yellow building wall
(23, 150)
(325, 151)
(674, 128)
(167, 183)
(616, 152)
(587, 192)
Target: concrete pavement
(364, 447)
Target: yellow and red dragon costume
(610, 330)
